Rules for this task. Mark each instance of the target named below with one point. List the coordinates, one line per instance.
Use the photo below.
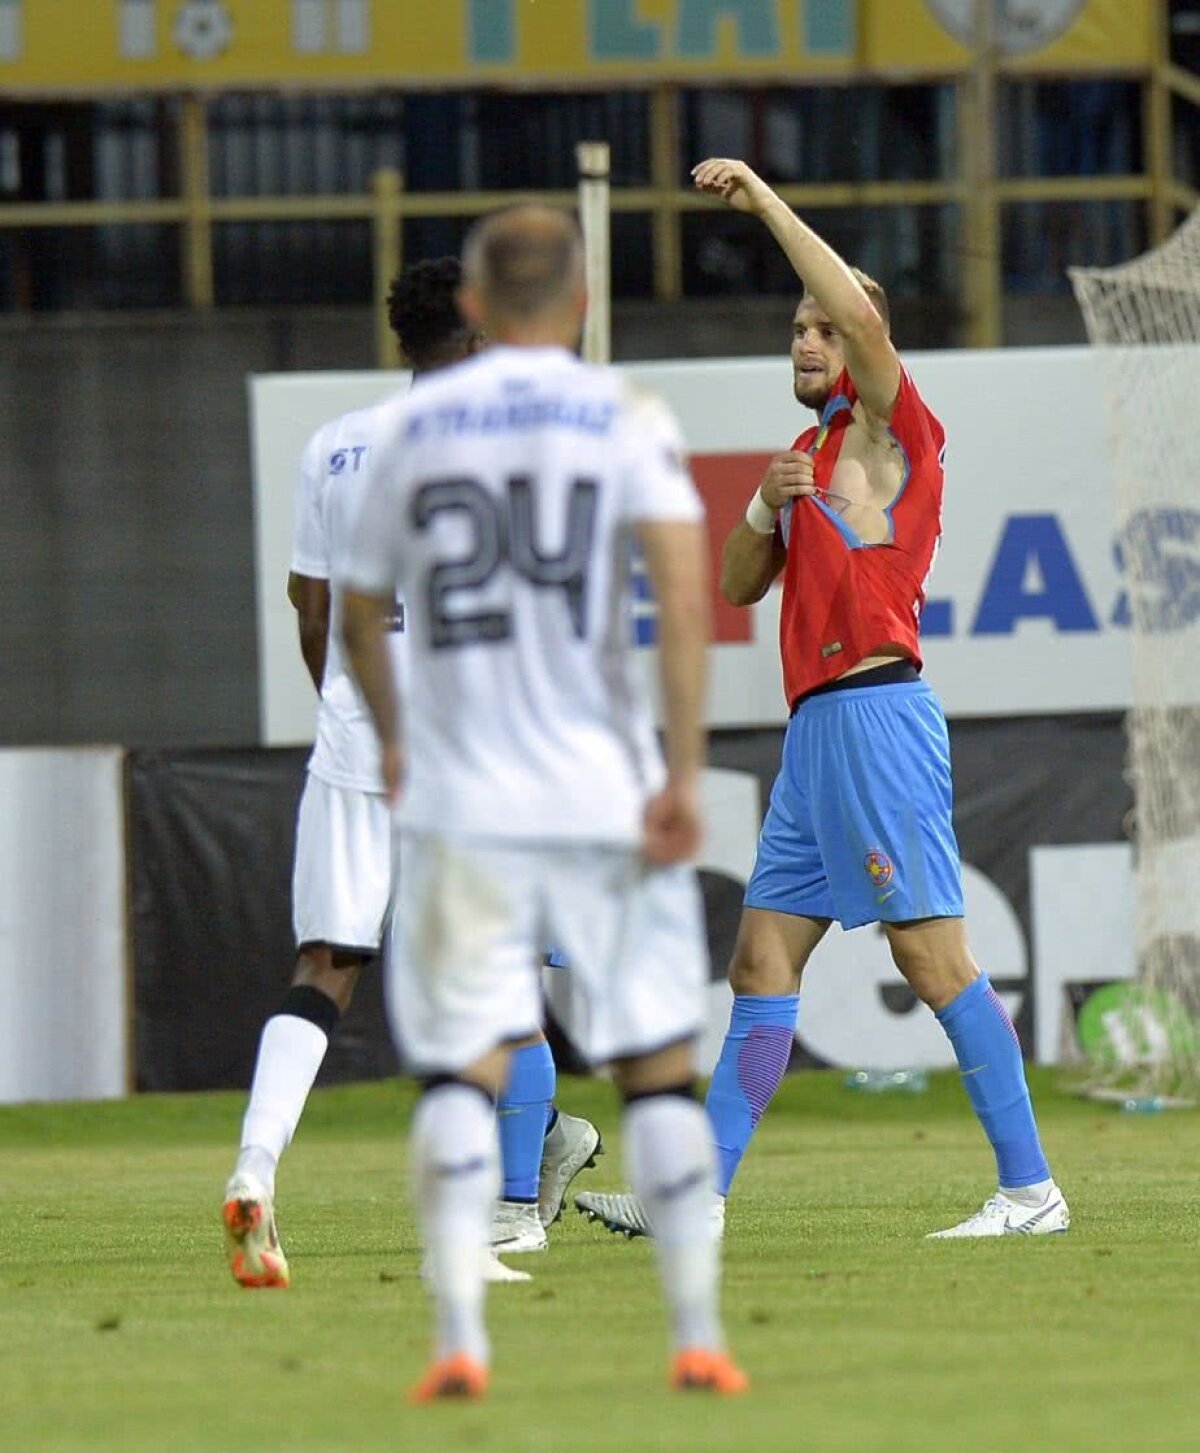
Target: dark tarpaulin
(211, 836)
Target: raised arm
(870, 356)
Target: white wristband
(760, 516)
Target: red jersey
(844, 598)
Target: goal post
(592, 160)
(1143, 318)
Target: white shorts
(341, 882)
(471, 920)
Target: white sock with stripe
(456, 1175)
(672, 1167)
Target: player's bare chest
(868, 466)
(863, 472)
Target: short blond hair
(525, 258)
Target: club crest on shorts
(879, 866)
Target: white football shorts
(341, 882)
(472, 917)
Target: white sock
(456, 1175)
(1033, 1196)
(671, 1165)
(289, 1055)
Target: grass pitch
(121, 1328)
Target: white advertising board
(1025, 606)
(64, 1014)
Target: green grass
(120, 1328)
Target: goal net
(1143, 318)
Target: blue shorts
(859, 827)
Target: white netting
(1144, 318)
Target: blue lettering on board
(829, 27)
(1157, 554)
(937, 619)
(1033, 545)
(491, 32)
(645, 608)
(755, 22)
(616, 34)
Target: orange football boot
(256, 1258)
(699, 1368)
(458, 1376)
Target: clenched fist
(789, 476)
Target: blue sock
(753, 1060)
(989, 1059)
(524, 1112)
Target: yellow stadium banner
(1031, 35)
(89, 46)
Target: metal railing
(976, 190)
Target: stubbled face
(817, 355)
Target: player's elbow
(737, 593)
(740, 588)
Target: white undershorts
(341, 881)
(472, 917)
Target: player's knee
(332, 972)
(661, 1072)
(464, 1079)
(936, 972)
(756, 971)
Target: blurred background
(192, 191)
(197, 193)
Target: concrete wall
(126, 577)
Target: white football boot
(624, 1215)
(570, 1147)
(494, 1270)
(517, 1226)
(1000, 1215)
(256, 1258)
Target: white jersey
(333, 475)
(502, 497)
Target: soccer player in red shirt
(859, 826)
